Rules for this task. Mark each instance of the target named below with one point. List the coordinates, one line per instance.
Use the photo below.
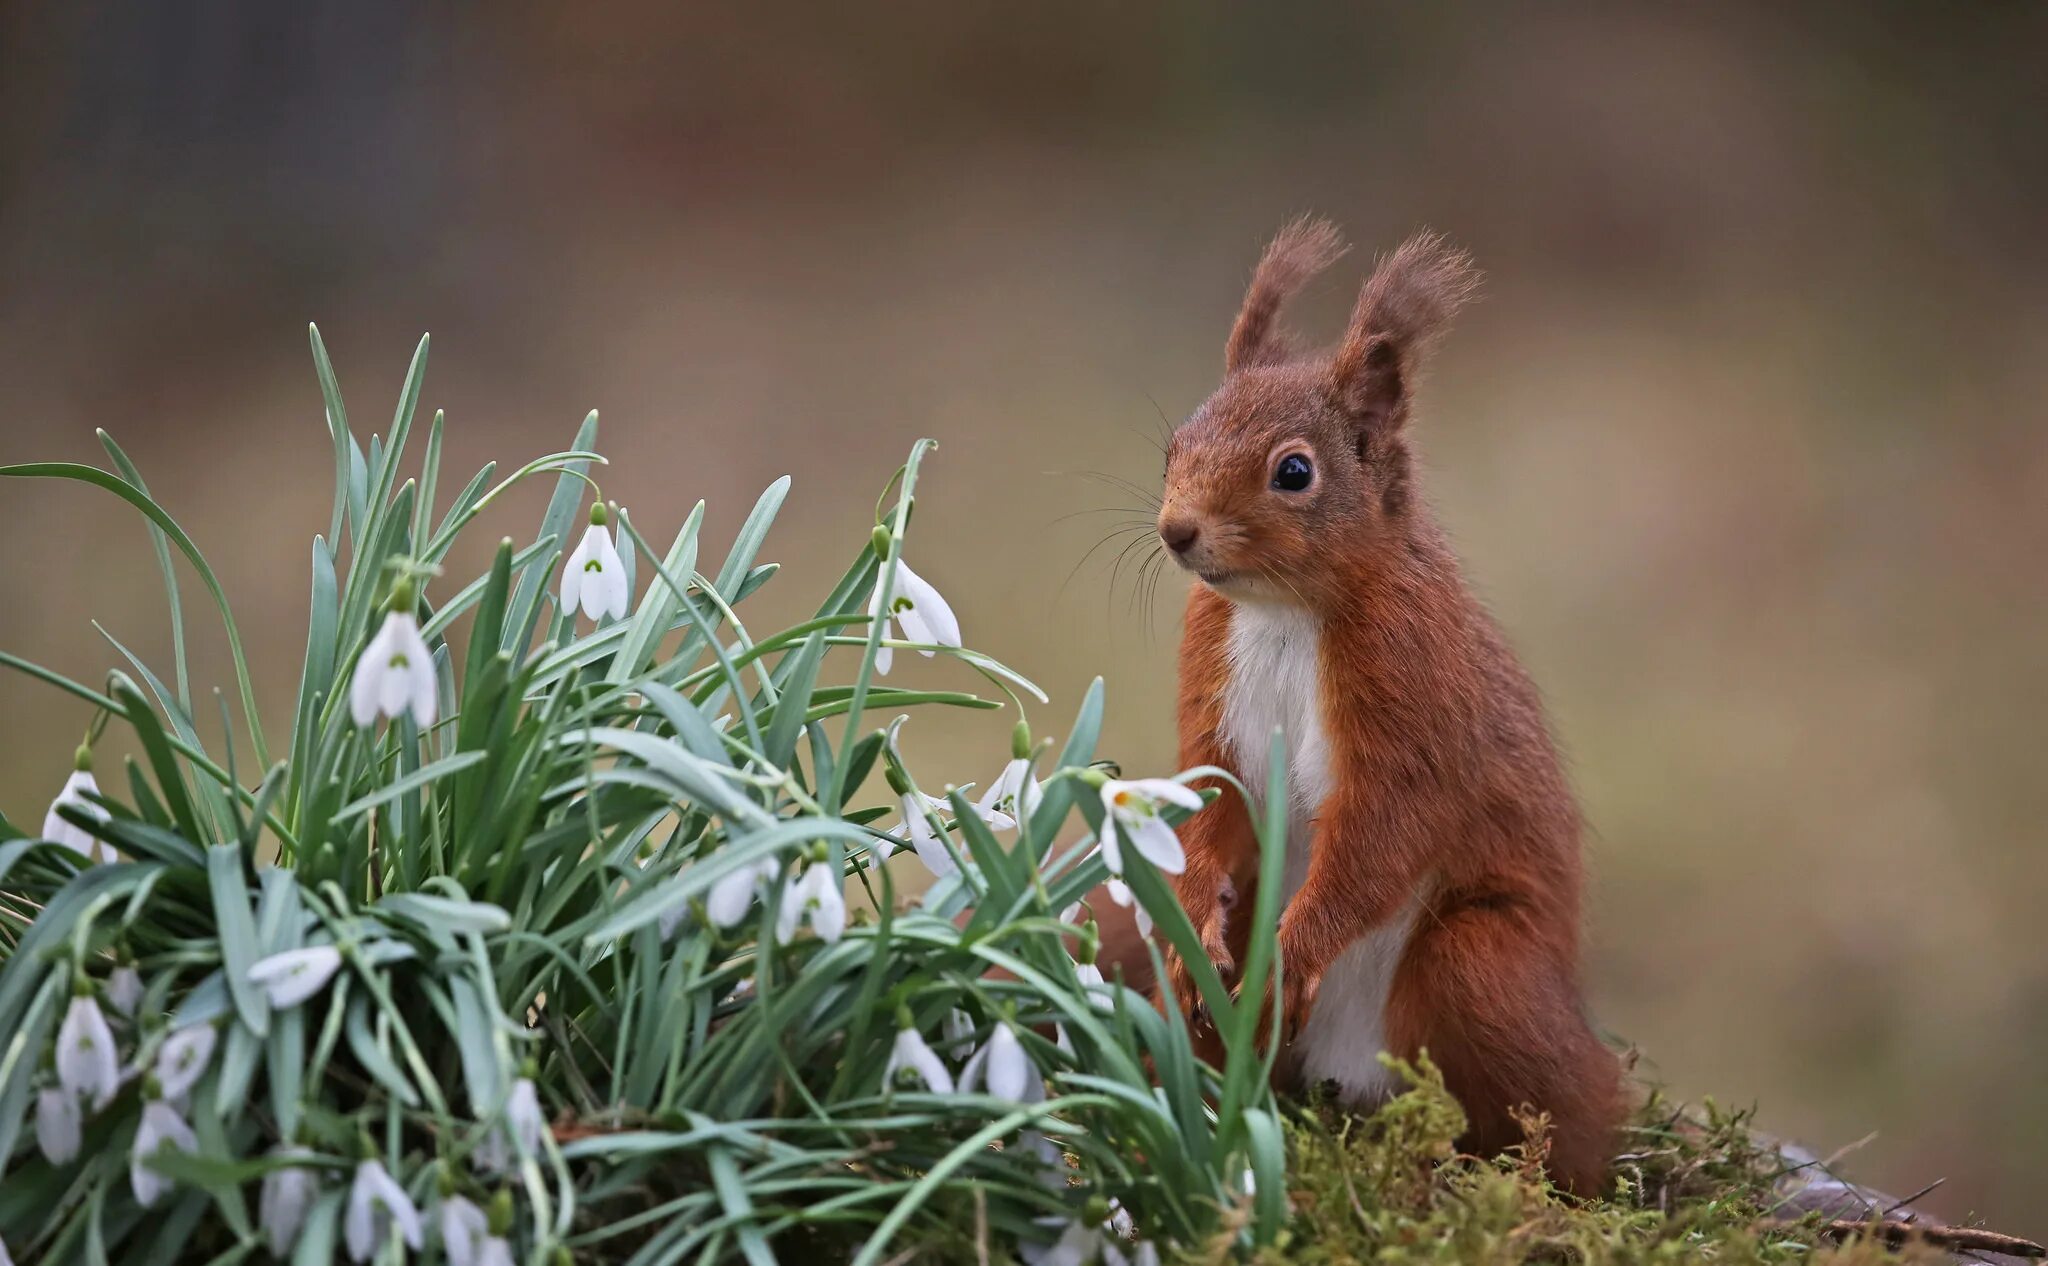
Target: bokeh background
(1745, 445)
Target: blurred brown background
(1745, 445)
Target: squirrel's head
(1297, 459)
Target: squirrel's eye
(1293, 473)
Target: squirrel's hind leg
(1501, 1017)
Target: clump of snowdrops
(527, 938)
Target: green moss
(1391, 1187)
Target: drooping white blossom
(287, 1196)
(87, 1064)
(520, 1134)
(594, 578)
(924, 838)
(911, 1054)
(463, 1230)
(181, 1060)
(124, 989)
(1005, 1067)
(59, 1124)
(161, 1127)
(395, 675)
(1095, 986)
(921, 611)
(816, 897)
(496, 1250)
(1013, 796)
(293, 976)
(77, 838)
(377, 1205)
(732, 896)
(1130, 814)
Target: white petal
(1168, 790)
(422, 686)
(573, 574)
(523, 1116)
(1009, 1068)
(729, 898)
(1112, 848)
(789, 911)
(495, 1252)
(970, 1076)
(612, 583)
(293, 976)
(1159, 845)
(58, 831)
(929, 607)
(87, 1064)
(124, 989)
(885, 655)
(286, 1198)
(182, 1059)
(925, 839)
(463, 1228)
(828, 920)
(58, 1125)
(367, 684)
(161, 1127)
(376, 1204)
(911, 1052)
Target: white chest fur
(1275, 670)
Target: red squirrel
(1433, 869)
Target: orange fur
(1444, 784)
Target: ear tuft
(1406, 305)
(1298, 252)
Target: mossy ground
(1691, 1185)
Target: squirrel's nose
(1178, 534)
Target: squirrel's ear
(1406, 304)
(1300, 251)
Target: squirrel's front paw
(1182, 981)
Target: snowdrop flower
(522, 1131)
(181, 1060)
(124, 989)
(58, 1124)
(377, 1204)
(1094, 985)
(161, 1127)
(1013, 796)
(924, 615)
(287, 1197)
(496, 1251)
(731, 896)
(396, 672)
(594, 578)
(296, 975)
(1130, 813)
(816, 897)
(924, 837)
(76, 838)
(911, 1054)
(86, 1062)
(1007, 1068)
(463, 1230)
(1015, 793)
